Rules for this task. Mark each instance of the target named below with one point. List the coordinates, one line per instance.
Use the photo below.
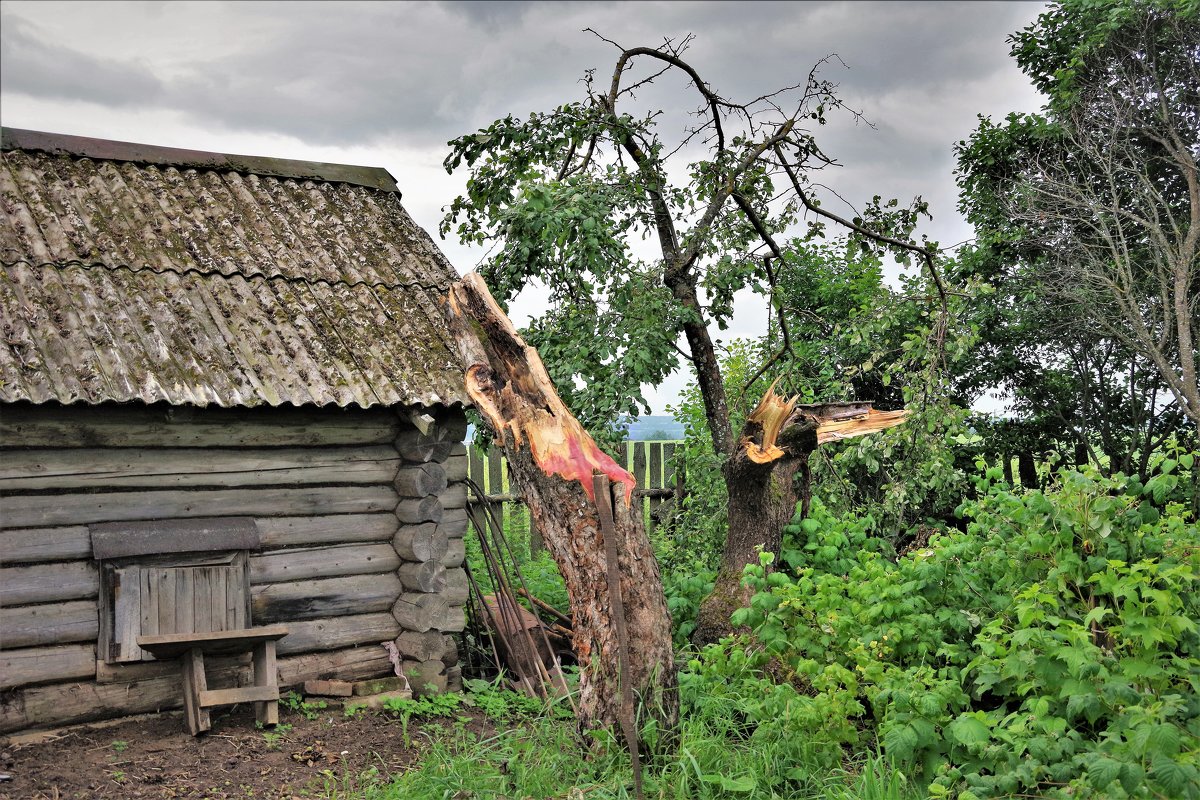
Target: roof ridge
(63, 144)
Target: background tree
(1088, 217)
(565, 193)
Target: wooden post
(266, 711)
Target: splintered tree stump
(776, 442)
(552, 461)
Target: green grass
(541, 757)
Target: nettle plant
(1050, 650)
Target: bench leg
(266, 712)
(195, 682)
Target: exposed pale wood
(322, 562)
(416, 611)
(26, 666)
(553, 462)
(454, 523)
(457, 589)
(26, 511)
(872, 422)
(339, 632)
(428, 576)
(415, 510)
(66, 703)
(367, 661)
(420, 480)
(119, 539)
(332, 597)
(454, 497)
(425, 646)
(48, 583)
(28, 545)
(338, 528)
(144, 427)
(54, 623)
(456, 553)
(421, 542)
(101, 468)
(239, 694)
(172, 645)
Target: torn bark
(775, 444)
(552, 461)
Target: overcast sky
(387, 84)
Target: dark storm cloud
(418, 74)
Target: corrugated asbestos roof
(203, 282)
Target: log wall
(329, 492)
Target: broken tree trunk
(552, 461)
(776, 442)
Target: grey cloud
(36, 67)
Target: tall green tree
(567, 194)
(1088, 218)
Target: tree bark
(776, 442)
(552, 461)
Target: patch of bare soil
(155, 757)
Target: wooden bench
(191, 648)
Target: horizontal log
(454, 523)
(419, 480)
(420, 612)
(419, 509)
(40, 426)
(48, 583)
(29, 545)
(44, 510)
(323, 562)
(334, 633)
(455, 496)
(238, 665)
(421, 542)
(425, 677)
(428, 576)
(67, 703)
(456, 467)
(457, 589)
(32, 665)
(51, 623)
(335, 528)
(456, 553)
(332, 597)
(426, 646)
(424, 448)
(100, 468)
(141, 538)
(352, 664)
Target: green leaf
(1102, 771)
(744, 784)
(968, 729)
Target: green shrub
(1050, 650)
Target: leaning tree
(566, 195)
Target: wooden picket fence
(653, 464)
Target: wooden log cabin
(227, 399)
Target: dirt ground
(153, 756)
